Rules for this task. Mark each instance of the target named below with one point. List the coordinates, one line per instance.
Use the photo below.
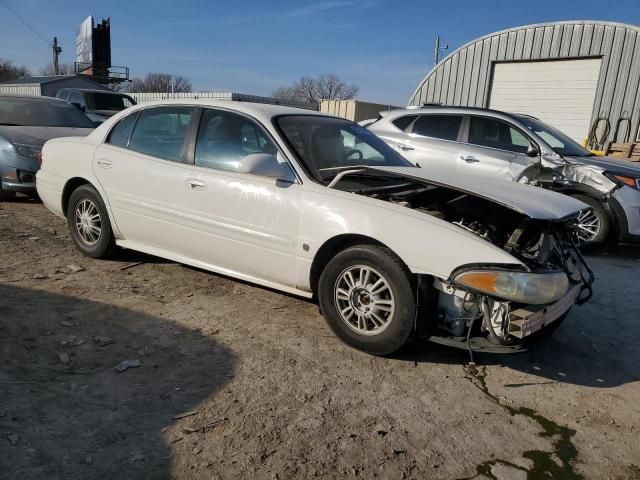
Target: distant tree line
(313, 90)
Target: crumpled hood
(616, 165)
(534, 202)
(37, 136)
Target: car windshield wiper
(7, 124)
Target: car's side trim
(212, 268)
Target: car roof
(445, 109)
(92, 90)
(264, 111)
(35, 98)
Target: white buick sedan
(320, 207)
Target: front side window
(120, 134)
(161, 132)
(327, 144)
(35, 112)
(493, 133)
(225, 139)
(561, 143)
(443, 127)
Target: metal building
(47, 86)
(568, 74)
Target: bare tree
(63, 69)
(9, 71)
(313, 90)
(159, 83)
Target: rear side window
(492, 133)
(161, 132)
(403, 122)
(120, 134)
(444, 127)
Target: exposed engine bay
(541, 245)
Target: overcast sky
(255, 46)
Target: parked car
(523, 149)
(98, 105)
(25, 124)
(320, 207)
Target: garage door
(559, 92)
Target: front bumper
(14, 180)
(626, 208)
(528, 320)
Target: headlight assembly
(621, 180)
(27, 150)
(529, 288)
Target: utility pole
(437, 50)
(56, 51)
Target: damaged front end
(507, 306)
(498, 307)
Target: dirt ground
(228, 380)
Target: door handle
(469, 158)
(104, 163)
(195, 184)
(405, 147)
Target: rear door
(140, 167)
(432, 141)
(493, 148)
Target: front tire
(6, 194)
(367, 297)
(89, 224)
(593, 227)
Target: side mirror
(78, 106)
(265, 165)
(532, 151)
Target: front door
(241, 223)
(493, 148)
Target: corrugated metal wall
(354, 110)
(464, 77)
(239, 97)
(25, 89)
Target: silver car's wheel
(88, 222)
(588, 226)
(364, 300)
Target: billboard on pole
(84, 43)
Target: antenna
(438, 50)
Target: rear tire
(594, 229)
(367, 297)
(89, 224)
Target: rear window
(444, 127)
(30, 112)
(403, 122)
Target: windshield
(108, 101)
(30, 112)
(326, 145)
(561, 144)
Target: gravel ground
(222, 379)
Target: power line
(25, 22)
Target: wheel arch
(333, 246)
(69, 188)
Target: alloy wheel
(364, 300)
(88, 222)
(587, 226)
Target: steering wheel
(352, 152)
